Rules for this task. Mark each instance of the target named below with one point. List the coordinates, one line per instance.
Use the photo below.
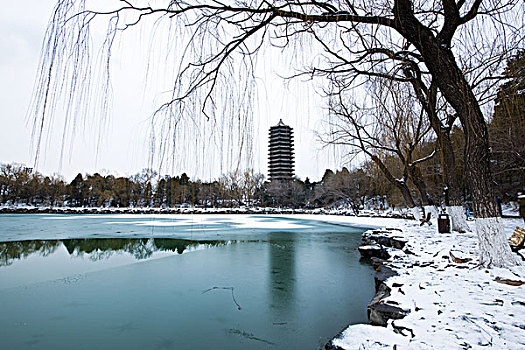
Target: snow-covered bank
(451, 302)
(25, 209)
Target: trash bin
(443, 223)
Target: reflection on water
(282, 270)
(98, 248)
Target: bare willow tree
(386, 125)
(442, 122)
(445, 38)
(434, 107)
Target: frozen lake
(178, 282)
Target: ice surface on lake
(275, 282)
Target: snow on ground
(452, 304)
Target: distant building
(281, 160)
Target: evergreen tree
(77, 191)
(507, 130)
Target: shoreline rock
(380, 311)
(379, 246)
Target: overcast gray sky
(124, 146)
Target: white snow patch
(361, 336)
(156, 223)
(271, 225)
(359, 221)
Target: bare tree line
(20, 185)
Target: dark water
(151, 282)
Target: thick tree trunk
(400, 185)
(448, 165)
(441, 63)
(494, 248)
(427, 96)
(417, 213)
(450, 178)
(447, 158)
(458, 218)
(493, 244)
(417, 179)
(405, 192)
(446, 74)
